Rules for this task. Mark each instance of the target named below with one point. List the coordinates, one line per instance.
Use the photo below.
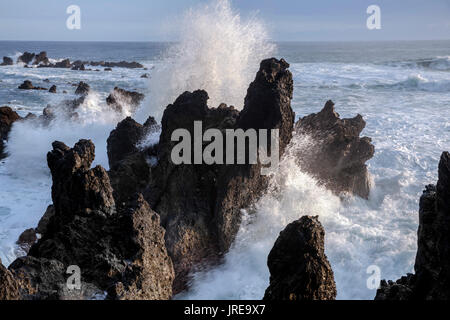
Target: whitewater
(401, 89)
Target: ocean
(402, 89)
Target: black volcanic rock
(431, 280)
(28, 85)
(27, 239)
(52, 89)
(299, 268)
(83, 88)
(200, 205)
(41, 58)
(338, 155)
(129, 170)
(267, 106)
(42, 226)
(26, 57)
(123, 140)
(120, 98)
(7, 118)
(7, 61)
(62, 64)
(9, 287)
(123, 64)
(118, 251)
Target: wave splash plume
(218, 51)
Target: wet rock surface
(200, 205)
(118, 251)
(7, 118)
(129, 169)
(52, 89)
(26, 57)
(83, 88)
(9, 288)
(120, 99)
(41, 58)
(28, 85)
(7, 61)
(299, 268)
(431, 280)
(338, 155)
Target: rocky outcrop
(118, 251)
(121, 99)
(52, 89)
(338, 155)
(431, 280)
(7, 62)
(26, 57)
(83, 88)
(28, 85)
(200, 205)
(120, 64)
(41, 58)
(299, 268)
(129, 169)
(62, 64)
(27, 239)
(7, 118)
(9, 288)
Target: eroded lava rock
(431, 280)
(299, 268)
(338, 155)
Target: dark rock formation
(52, 89)
(13, 285)
(267, 106)
(42, 226)
(431, 280)
(7, 118)
(129, 170)
(7, 61)
(27, 239)
(120, 98)
(200, 205)
(83, 88)
(28, 85)
(62, 64)
(26, 58)
(118, 251)
(123, 64)
(299, 268)
(107, 69)
(337, 157)
(106, 64)
(9, 288)
(41, 58)
(79, 67)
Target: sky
(286, 20)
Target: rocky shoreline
(41, 60)
(141, 229)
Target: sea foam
(218, 51)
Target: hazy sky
(146, 20)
